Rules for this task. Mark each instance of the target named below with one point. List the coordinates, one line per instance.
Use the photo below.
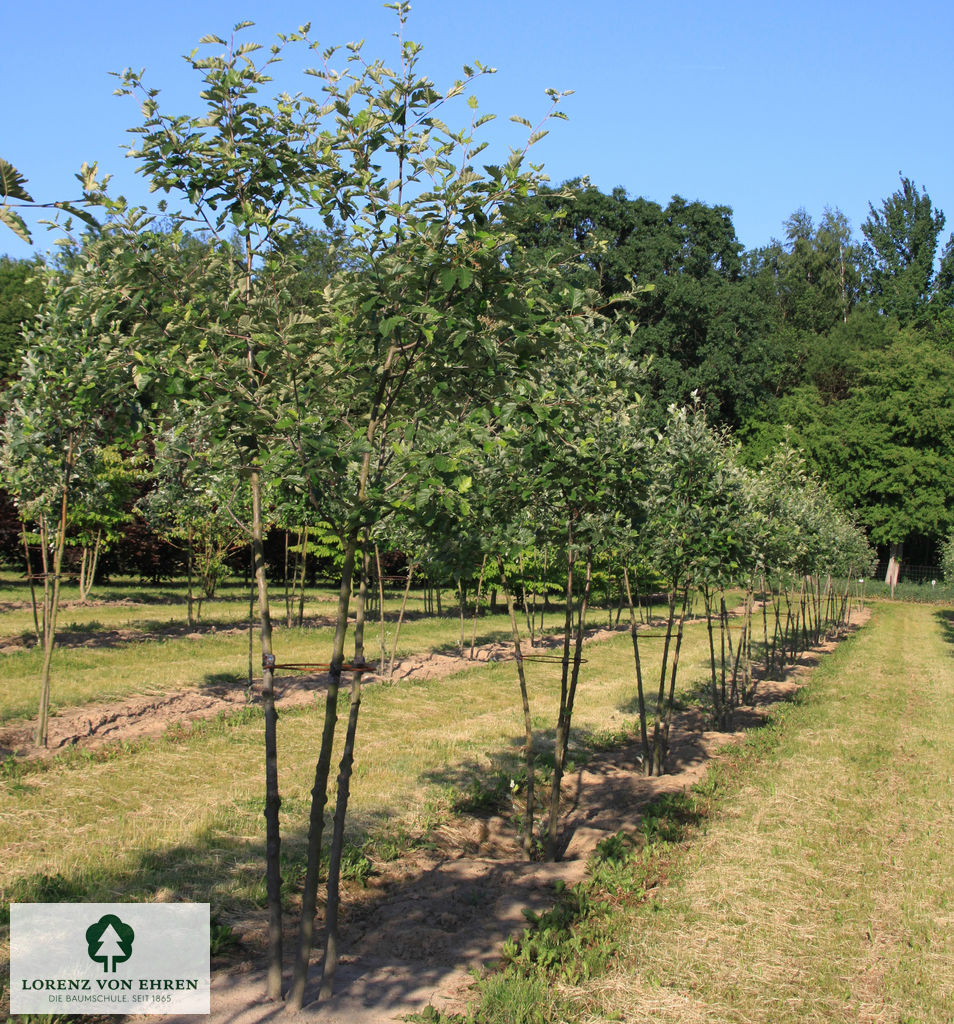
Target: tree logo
(109, 942)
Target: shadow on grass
(229, 874)
(94, 634)
(945, 620)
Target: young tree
(416, 325)
(71, 401)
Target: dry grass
(185, 816)
(823, 891)
(104, 663)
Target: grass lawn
(97, 662)
(822, 888)
(185, 815)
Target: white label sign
(72, 958)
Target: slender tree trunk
(88, 565)
(529, 757)
(672, 675)
(190, 564)
(659, 753)
(273, 802)
(49, 632)
(526, 603)
(460, 615)
(330, 961)
(361, 607)
(31, 581)
(480, 583)
(640, 696)
(397, 628)
(713, 685)
(384, 646)
(288, 595)
(249, 582)
(319, 792)
(51, 604)
(564, 692)
(303, 576)
(566, 722)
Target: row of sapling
(422, 324)
(807, 544)
(564, 450)
(65, 420)
(690, 511)
(196, 505)
(552, 465)
(432, 329)
(713, 525)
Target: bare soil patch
(150, 715)
(426, 922)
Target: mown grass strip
(821, 886)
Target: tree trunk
(384, 645)
(640, 696)
(319, 792)
(273, 870)
(51, 604)
(672, 675)
(529, 758)
(288, 595)
(480, 584)
(894, 566)
(460, 615)
(31, 581)
(88, 565)
(658, 751)
(400, 621)
(361, 607)
(564, 690)
(302, 577)
(190, 562)
(713, 685)
(566, 718)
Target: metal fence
(925, 574)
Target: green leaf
(388, 325)
(12, 183)
(15, 222)
(74, 211)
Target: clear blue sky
(762, 106)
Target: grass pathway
(823, 890)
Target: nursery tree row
(431, 385)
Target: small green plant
(221, 938)
(488, 792)
(554, 944)
(355, 866)
(665, 820)
(431, 1015)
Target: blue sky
(761, 106)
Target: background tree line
(839, 344)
